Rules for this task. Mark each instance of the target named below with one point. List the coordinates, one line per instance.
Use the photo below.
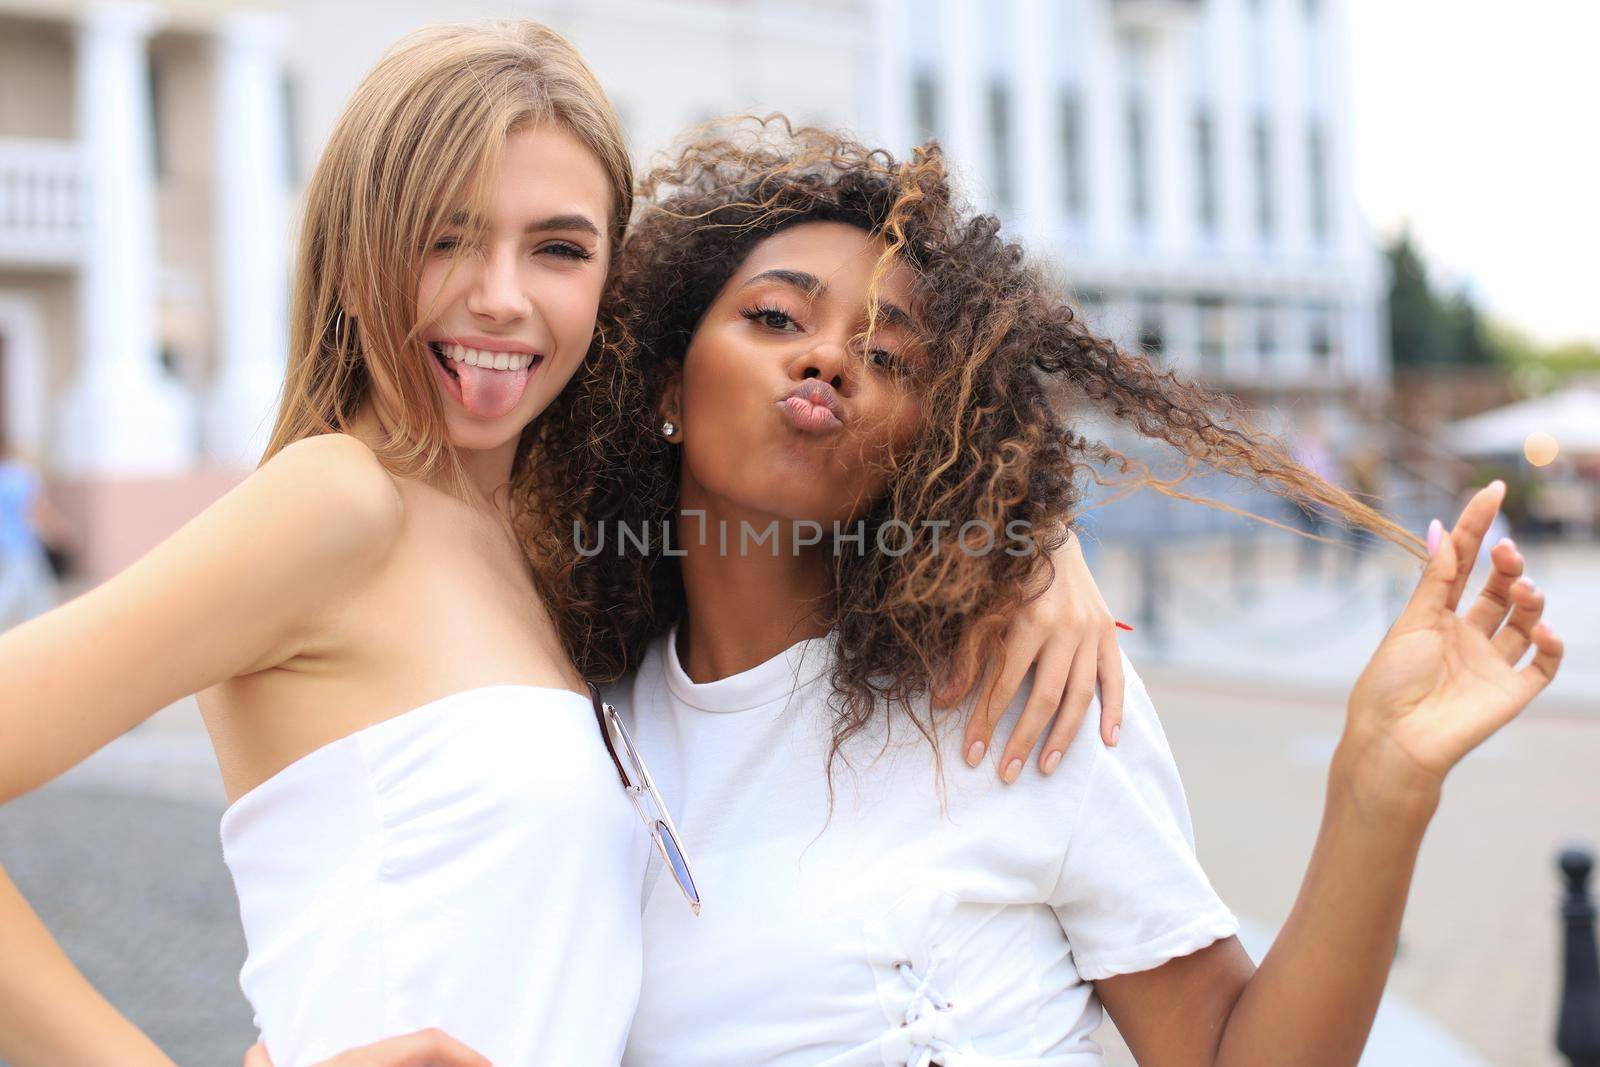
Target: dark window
(291, 131)
(1317, 165)
(1152, 334)
(925, 104)
(1072, 154)
(158, 151)
(1213, 332)
(1321, 335)
(1266, 332)
(1205, 151)
(1138, 163)
(1000, 144)
(1261, 141)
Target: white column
(1105, 134)
(887, 57)
(252, 204)
(1350, 235)
(1036, 142)
(962, 96)
(122, 414)
(1171, 140)
(1233, 119)
(1286, 64)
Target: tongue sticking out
(491, 394)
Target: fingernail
(1116, 732)
(975, 753)
(1509, 543)
(1497, 484)
(1013, 769)
(1123, 626)
(1051, 762)
(1435, 535)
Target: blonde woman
(370, 566)
(426, 828)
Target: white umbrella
(1571, 416)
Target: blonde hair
(420, 139)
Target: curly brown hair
(1009, 361)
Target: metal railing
(41, 202)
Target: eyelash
(565, 249)
(763, 314)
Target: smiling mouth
(451, 356)
(487, 384)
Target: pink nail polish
(1051, 762)
(1435, 535)
(975, 754)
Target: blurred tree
(1416, 336)
(1430, 329)
(1425, 328)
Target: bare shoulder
(337, 487)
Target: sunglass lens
(680, 869)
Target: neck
(745, 605)
(487, 470)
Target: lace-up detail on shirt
(921, 1016)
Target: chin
(476, 436)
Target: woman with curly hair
(849, 370)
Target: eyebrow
(813, 287)
(570, 221)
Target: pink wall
(117, 521)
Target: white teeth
(474, 357)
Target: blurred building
(1185, 164)
(144, 193)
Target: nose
(827, 360)
(497, 293)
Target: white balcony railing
(41, 202)
(1154, 14)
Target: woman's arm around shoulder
(238, 589)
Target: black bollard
(1578, 1031)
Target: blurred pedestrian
(28, 527)
(1311, 452)
(1364, 476)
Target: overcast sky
(1479, 122)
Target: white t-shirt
(902, 931)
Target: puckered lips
(487, 377)
(814, 407)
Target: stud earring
(668, 428)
